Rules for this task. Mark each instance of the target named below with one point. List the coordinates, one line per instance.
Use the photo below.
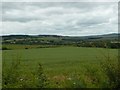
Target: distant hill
(101, 37)
(106, 40)
(69, 38)
(104, 35)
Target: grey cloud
(92, 21)
(50, 8)
(59, 18)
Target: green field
(64, 66)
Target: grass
(0, 69)
(64, 66)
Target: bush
(10, 75)
(111, 68)
(42, 79)
(13, 77)
(26, 48)
(5, 48)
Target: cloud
(60, 0)
(61, 18)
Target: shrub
(42, 79)
(111, 68)
(10, 75)
(5, 48)
(13, 77)
(26, 48)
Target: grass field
(64, 66)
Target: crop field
(63, 66)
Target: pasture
(65, 67)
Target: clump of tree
(114, 45)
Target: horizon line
(54, 35)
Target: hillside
(84, 41)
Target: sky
(59, 18)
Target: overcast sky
(55, 18)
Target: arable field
(64, 67)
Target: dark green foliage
(26, 48)
(114, 45)
(5, 48)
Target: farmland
(52, 61)
(64, 67)
(60, 44)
